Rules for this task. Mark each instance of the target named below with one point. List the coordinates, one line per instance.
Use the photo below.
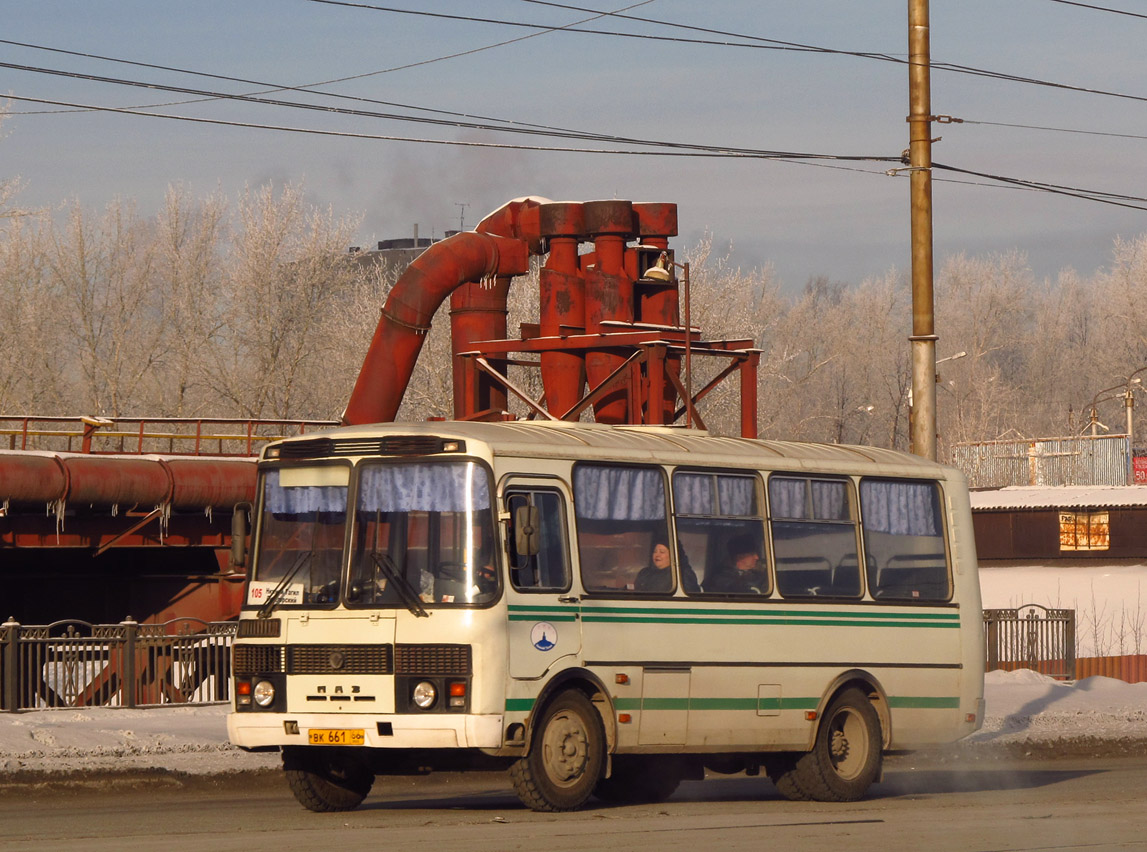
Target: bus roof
(660, 444)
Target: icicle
(207, 514)
(164, 518)
(57, 507)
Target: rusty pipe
(608, 297)
(406, 316)
(107, 480)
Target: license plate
(336, 736)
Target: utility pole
(923, 413)
(462, 214)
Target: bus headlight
(424, 695)
(264, 693)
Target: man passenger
(744, 574)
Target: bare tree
(286, 274)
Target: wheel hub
(566, 749)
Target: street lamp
(1128, 395)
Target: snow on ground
(1023, 708)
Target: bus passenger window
(548, 568)
(814, 537)
(719, 524)
(621, 517)
(904, 540)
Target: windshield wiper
(277, 592)
(385, 564)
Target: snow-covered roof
(1059, 497)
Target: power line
(797, 159)
(1112, 198)
(309, 87)
(1052, 129)
(758, 42)
(676, 149)
(268, 87)
(1100, 8)
(469, 125)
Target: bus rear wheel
(845, 759)
(566, 758)
(323, 781)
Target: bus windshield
(423, 534)
(302, 529)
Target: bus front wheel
(845, 759)
(323, 781)
(566, 758)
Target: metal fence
(1031, 637)
(195, 436)
(78, 664)
(1081, 460)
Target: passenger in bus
(743, 573)
(656, 576)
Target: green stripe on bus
(567, 616)
(800, 613)
(630, 705)
(590, 618)
(923, 702)
(678, 612)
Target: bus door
(544, 617)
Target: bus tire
(325, 782)
(640, 780)
(566, 757)
(845, 759)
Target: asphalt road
(1006, 804)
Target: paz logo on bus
(544, 636)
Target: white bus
(603, 610)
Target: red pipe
(106, 480)
(562, 304)
(478, 312)
(658, 302)
(608, 297)
(401, 331)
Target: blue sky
(846, 222)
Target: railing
(196, 436)
(1031, 637)
(78, 664)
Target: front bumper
(392, 731)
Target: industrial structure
(103, 519)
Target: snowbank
(1023, 708)
(1026, 707)
(191, 740)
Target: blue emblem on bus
(544, 636)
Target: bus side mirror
(527, 532)
(239, 535)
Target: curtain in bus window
(443, 487)
(619, 493)
(829, 500)
(787, 497)
(900, 508)
(903, 541)
(300, 500)
(693, 494)
(735, 496)
(738, 495)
